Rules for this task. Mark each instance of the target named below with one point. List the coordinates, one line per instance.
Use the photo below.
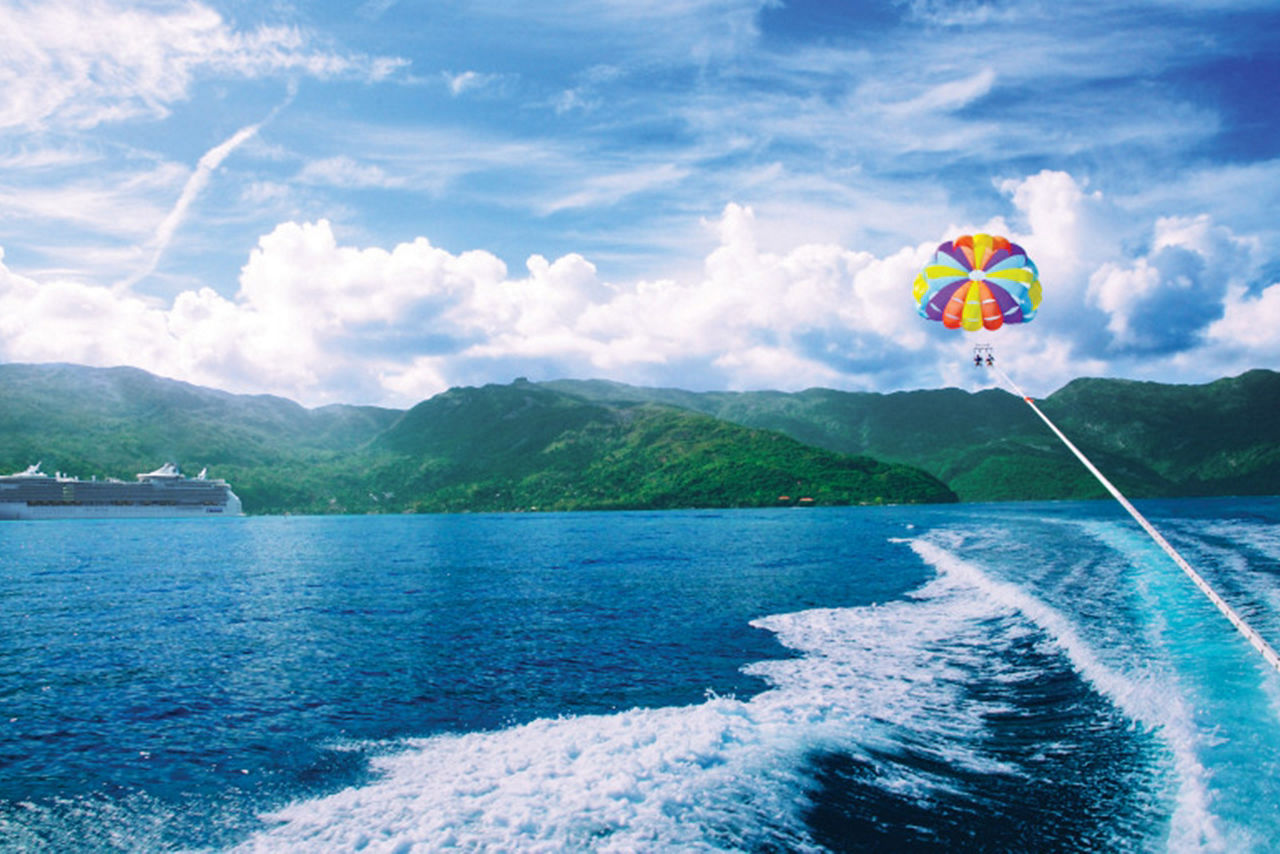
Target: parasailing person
(981, 281)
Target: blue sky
(371, 202)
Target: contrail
(196, 183)
(1236, 620)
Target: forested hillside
(1152, 439)
(512, 447)
(572, 444)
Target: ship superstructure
(33, 494)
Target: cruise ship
(32, 494)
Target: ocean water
(1031, 677)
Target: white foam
(1231, 693)
(723, 774)
(1145, 694)
(732, 774)
(704, 777)
(1131, 694)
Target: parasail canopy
(978, 281)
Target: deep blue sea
(1016, 677)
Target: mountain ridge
(1155, 439)
(574, 444)
(513, 447)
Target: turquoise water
(994, 677)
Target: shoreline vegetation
(599, 445)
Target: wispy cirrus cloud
(374, 9)
(344, 171)
(606, 189)
(82, 64)
(469, 81)
(947, 96)
(650, 31)
(197, 181)
(126, 206)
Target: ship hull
(21, 510)
(158, 494)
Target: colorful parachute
(978, 281)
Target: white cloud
(374, 9)
(343, 171)
(261, 193)
(1250, 325)
(311, 312)
(774, 367)
(1069, 230)
(1117, 290)
(574, 99)
(320, 321)
(679, 31)
(947, 96)
(195, 183)
(41, 159)
(123, 208)
(63, 320)
(1164, 301)
(611, 188)
(81, 64)
(948, 13)
(586, 96)
(429, 158)
(467, 81)
(1175, 308)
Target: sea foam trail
(1226, 696)
(724, 774)
(870, 683)
(1139, 692)
(698, 778)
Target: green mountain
(118, 421)
(527, 446)
(1151, 439)
(1215, 439)
(520, 446)
(594, 444)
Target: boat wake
(969, 712)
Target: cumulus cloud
(320, 321)
(63, 320)
(1155, 298)
(1163, 301)
(317, 320)
(1248, 325)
